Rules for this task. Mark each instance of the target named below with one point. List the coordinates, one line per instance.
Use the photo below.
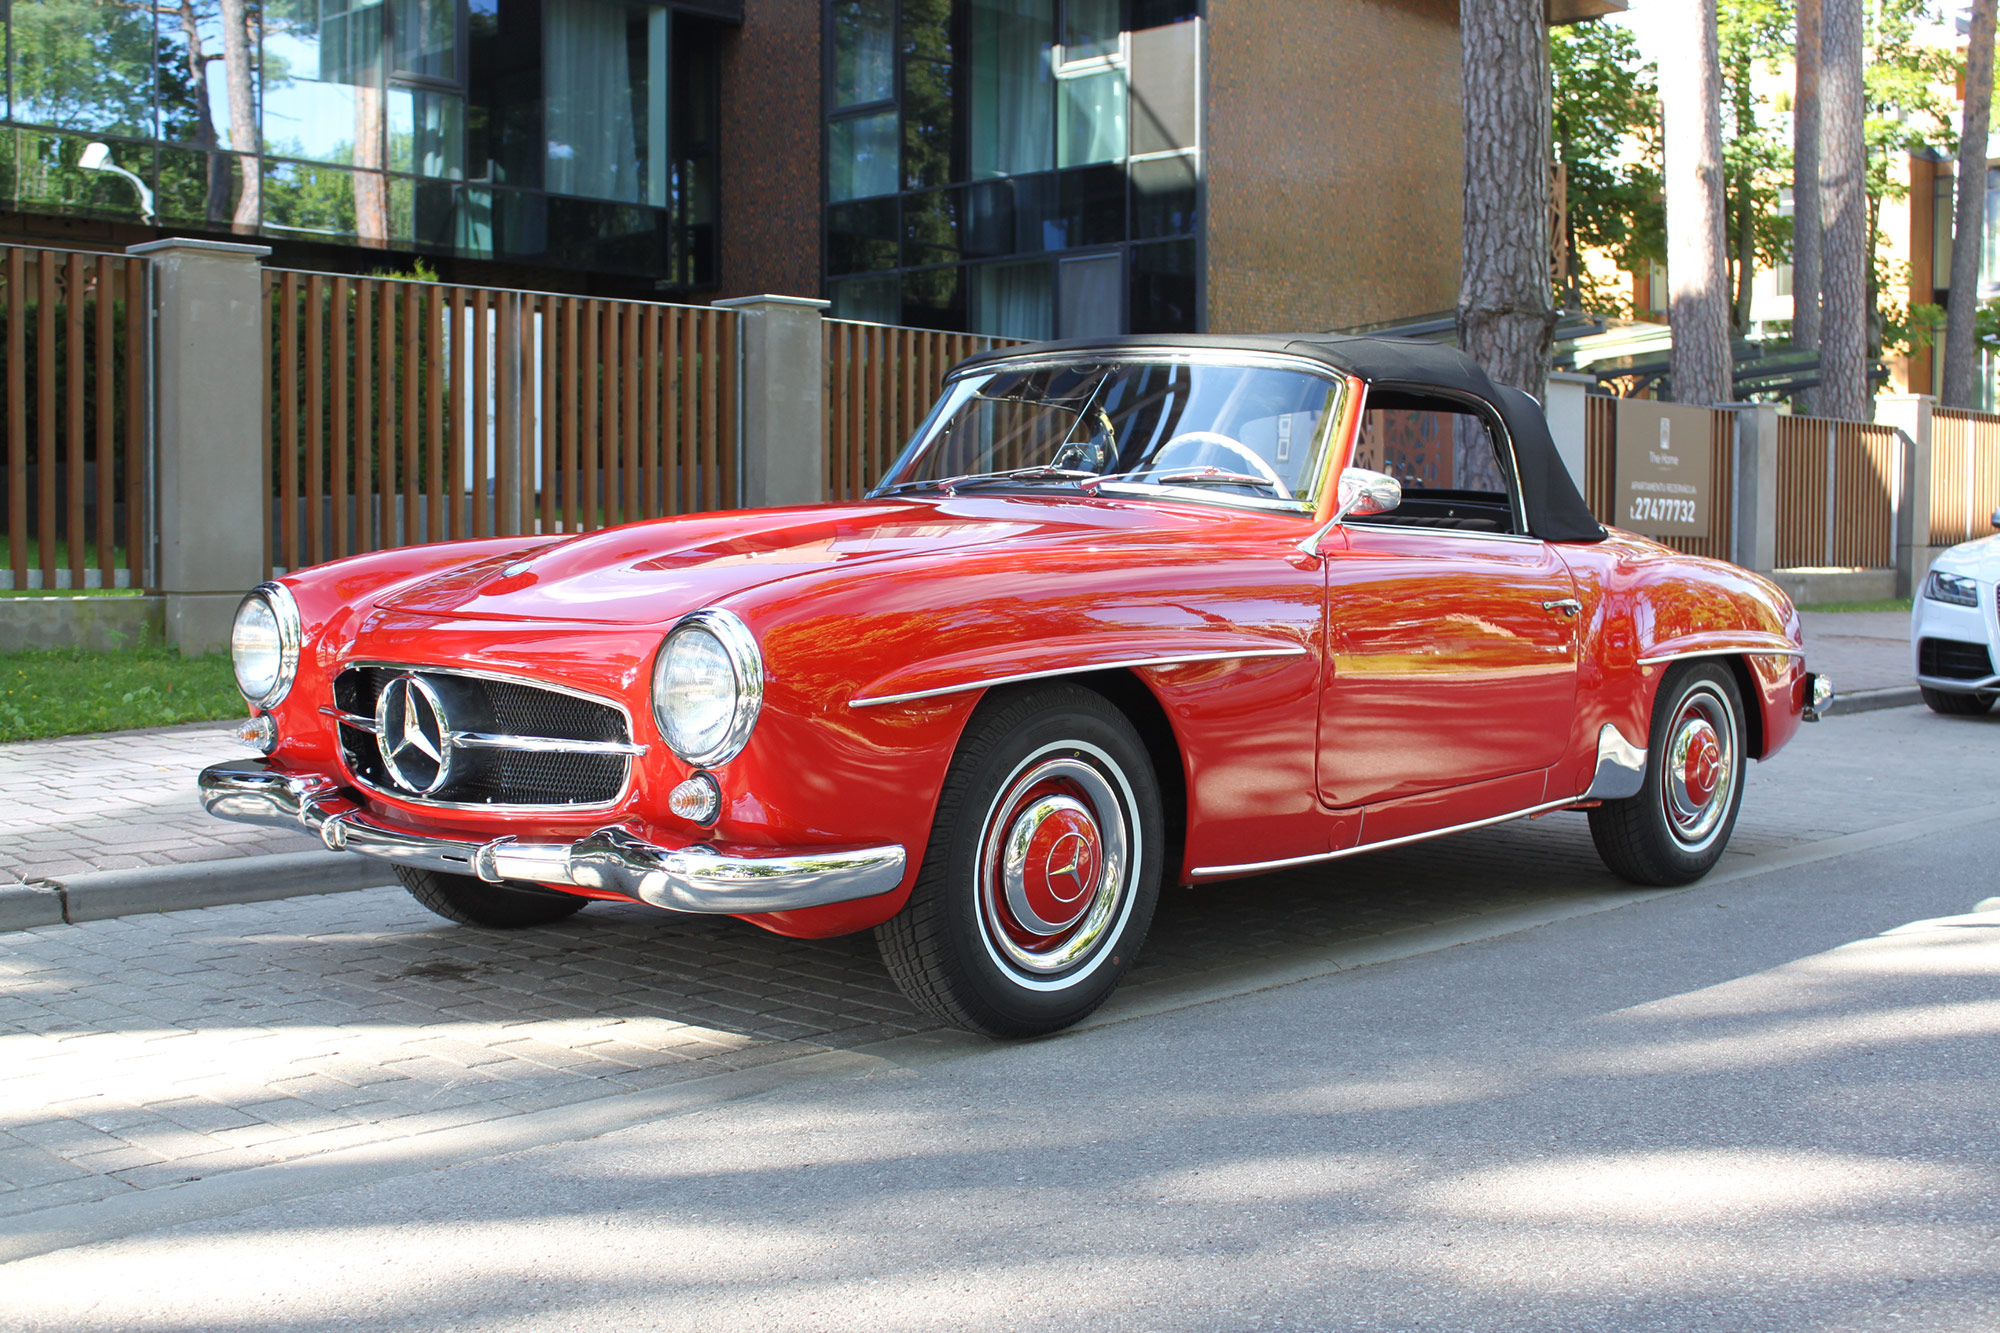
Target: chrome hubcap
(1700, 767)
(1056, 862)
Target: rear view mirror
(1363, 493)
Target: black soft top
(1556, 511)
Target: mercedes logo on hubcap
(413, 735)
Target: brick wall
(770, 221)
(1334, 150)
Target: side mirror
(1363, 493)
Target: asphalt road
(1767, 1102)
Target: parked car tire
(474, 902)
(1953, 704)
(1675, 829)
(1042, 870)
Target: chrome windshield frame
(1304, 504)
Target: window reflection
(861, 157)
(83, 65)
(863, 40)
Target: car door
(1451, 632)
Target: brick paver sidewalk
(116, 801)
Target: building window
(431, 125)
(1031, 131)
(605, 67)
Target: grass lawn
(1886, 604)
(64, 693)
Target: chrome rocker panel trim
(688, 879)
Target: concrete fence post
(211, 468)
(1910, 413)
(1754, 526)
(1564, 403)
(783, 416)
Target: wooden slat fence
(1600, 437)
(406, 411)
(1600, 444)
(1965, 475)
(880, 383)
(73, 335)
(1837, 493)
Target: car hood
(655, 572)
(1980, 558)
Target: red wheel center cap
(1064, 859)
(1703, 770)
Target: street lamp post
(97, 157)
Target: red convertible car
(1124, 614)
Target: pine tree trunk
(1844, 391)
(237, 55)
(1505, 319)
(1806, 221)
(1961, 346)
(1697, 238)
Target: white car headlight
(1956, 589)
(264, 645)
(708, 686)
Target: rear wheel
(1675, 829)
(1953, 704)
(474, 902)
(1042, 871)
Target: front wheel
(1042, 871)
(1953, 704)
(1675, 829)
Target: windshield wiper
(950, 485)
(1196, 477)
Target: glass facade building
(576, 134)
(1026, 168)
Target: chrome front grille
(508, 743)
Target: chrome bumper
(688, 879)
(1819, 697)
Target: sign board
(1661, 469)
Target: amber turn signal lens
(259, 733)
(697, 800)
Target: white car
(1955, 627)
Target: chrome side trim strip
(1128, 663)
(1256, 866)
(1743, 651)
(1621, 767)
(613, 860)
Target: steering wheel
(1202, 447)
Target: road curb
(1867, 701)
(101, 895)
(25, 906)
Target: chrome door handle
(1569, 606)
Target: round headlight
(708, 685)
(264, 645)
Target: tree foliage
(1606, 134)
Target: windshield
(1240, 433)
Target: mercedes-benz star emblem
(1071, 859)
(413, 735)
